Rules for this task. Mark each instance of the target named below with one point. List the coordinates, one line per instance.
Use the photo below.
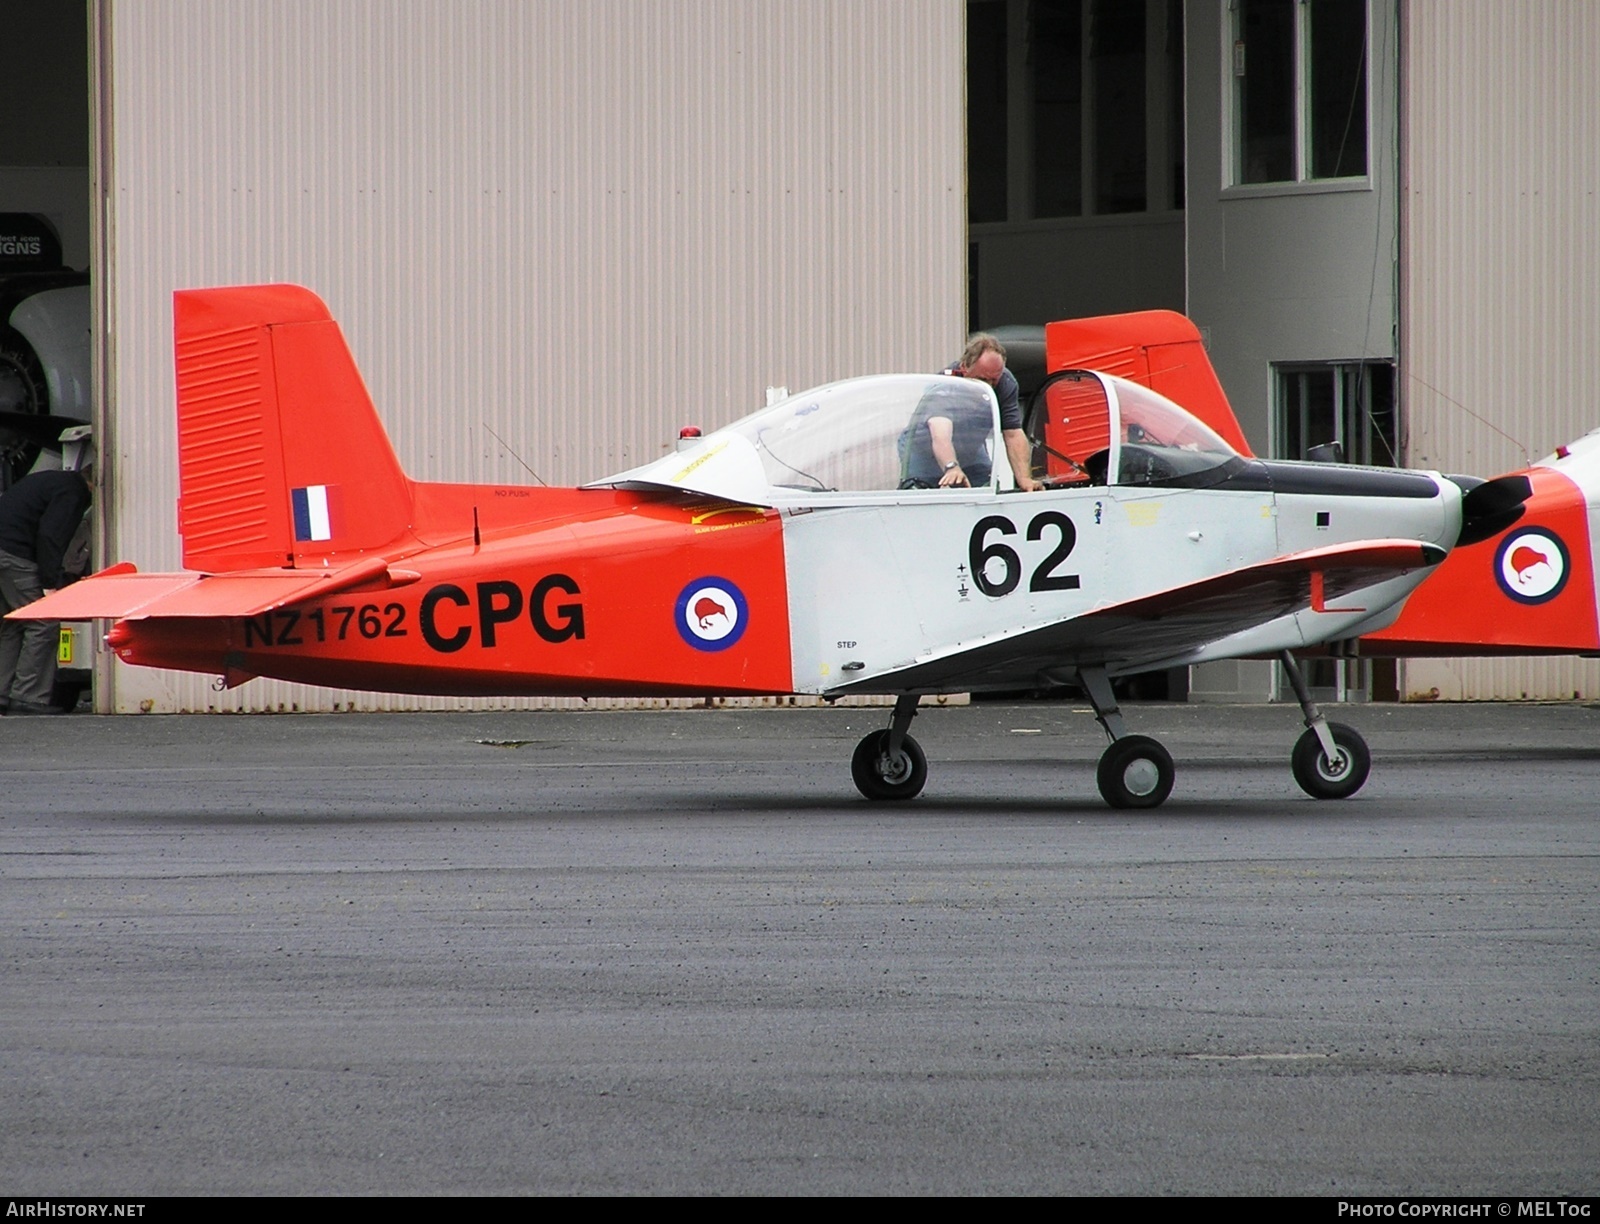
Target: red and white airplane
(778, 555)
(1524, 582)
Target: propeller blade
(1489, 507)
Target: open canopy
(881, 434)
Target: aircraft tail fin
(1160, 349)
(282, 460)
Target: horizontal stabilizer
(121, 593)
(114, 594)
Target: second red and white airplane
(1522, 580)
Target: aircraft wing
(122, 593)
(1166, 624)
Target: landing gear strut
(1135, 771)
(1330, 760)
(890, 764)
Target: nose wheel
(1335, 777)
(1330, 761)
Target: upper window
(1162, 442)
(1299, 90)
(1074, 108)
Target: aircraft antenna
(1482, 420)
(477, 540)
(514, 455)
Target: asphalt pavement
(600, 953)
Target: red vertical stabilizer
(1160, 349)
(282, 460)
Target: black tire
(876, 777)
(22, 389)
(1324, 779)
(22, 382)
(1135, 772)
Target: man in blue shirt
(943, 446)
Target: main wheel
(879, 776)
(1135, 772)
(1337, 779)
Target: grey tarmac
(673, 952)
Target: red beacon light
(688, 436)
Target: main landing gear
(1135, 771)
(1330, 760)
(890, 764)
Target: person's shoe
(32, 707)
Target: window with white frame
(1299, 96)
(1348, 402)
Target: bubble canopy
(874, 435)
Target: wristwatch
(954, 463)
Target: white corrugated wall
(579, 226)
(1500, 315)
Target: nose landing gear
(1330, 760)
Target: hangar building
(555, 233)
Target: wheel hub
(1141, 777)
(894, 769)
(1336, 768)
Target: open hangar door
(45, 218)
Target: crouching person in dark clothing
(38, 517)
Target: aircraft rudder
(282, 458)
(346, 487)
